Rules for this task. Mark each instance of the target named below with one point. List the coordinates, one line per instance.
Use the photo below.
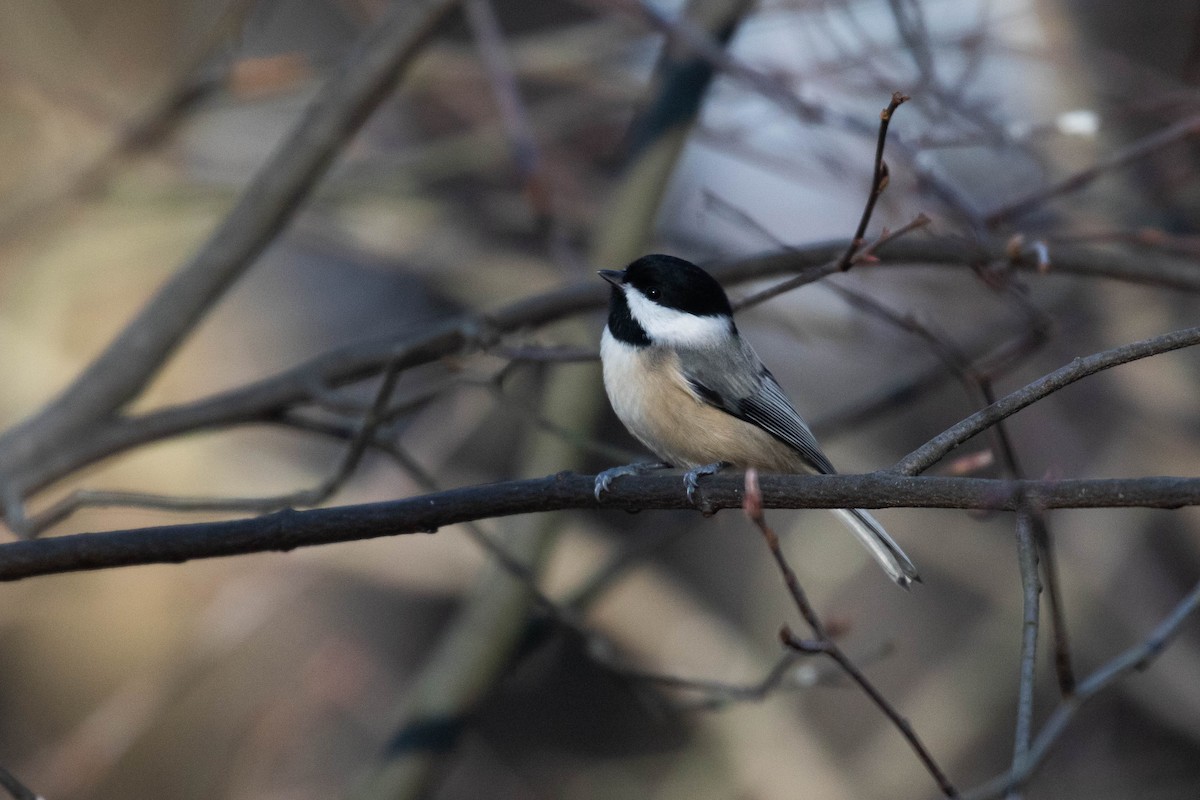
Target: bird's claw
(604, 479)
(691, 478)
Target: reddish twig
(823, 643)
(879, 182)
(853, 252)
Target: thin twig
(501, 75)
(1027, 561)
(823, 643)
(721, 693)
(852, 255)
(1136, 151)
(1044, 543)
(1135, 659)
(363, 439)
(990, 366)
(1063, 668)
(787, 673)
(1039, 327)
(936, 448)
(974, 380)
(879, 182)
(810, 275)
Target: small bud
(752, 499)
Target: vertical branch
(1058, 619)
(1136, 659)
(910, 24)
(1041, 531)
(823, 643)
(1027, 560)
(1044, 557)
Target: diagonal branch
(268, 203)
(936, 448)
(14, 787)
(1147, 145)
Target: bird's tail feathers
(877, 541)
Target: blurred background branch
(15, 789)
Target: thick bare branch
(287, 530)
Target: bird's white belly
(650, 396)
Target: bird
(687, 385)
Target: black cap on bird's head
(673, 283)
(661, 299)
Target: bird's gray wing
(748, 391)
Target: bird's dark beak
(615, 277)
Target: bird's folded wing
(757, 399)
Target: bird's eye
(654, 293)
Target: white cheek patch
(677, 328)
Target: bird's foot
(605, 479)
(691, 478)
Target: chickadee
(692, 390)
